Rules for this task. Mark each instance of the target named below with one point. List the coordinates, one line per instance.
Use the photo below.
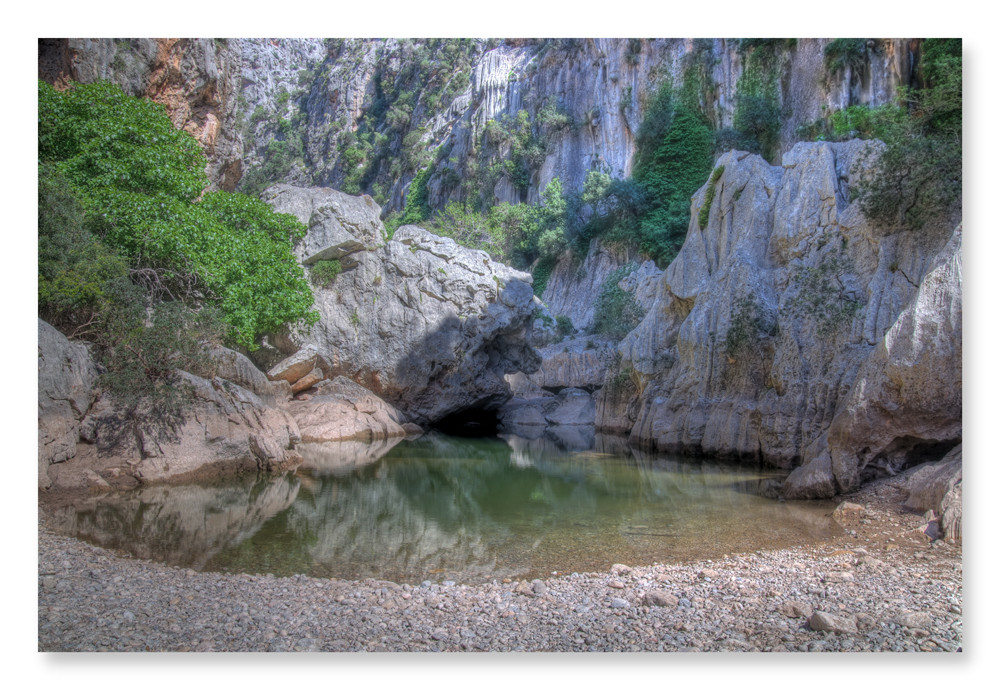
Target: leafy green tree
(76, 271)
(670, 172)
(138, 181)
(917, 177)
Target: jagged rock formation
(428, 325)
(766, 318)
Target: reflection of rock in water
(339, 457)
(182, 525)
(467, 510)
(575, 437)
(612, 444)
(375, 529)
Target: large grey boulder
(66, 379)
(937, 486)
(222, 429)
(342, 410)
(425, 324)
(338, 224)
(763, 321)
(237, 368)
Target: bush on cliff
(652, 208)
(917, 178)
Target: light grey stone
(822, 621)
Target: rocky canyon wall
(790, 328)
(296, 109)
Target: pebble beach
(880, 586)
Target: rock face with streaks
(254, 101)
(905, 405)
(427, 325)
(783, 329)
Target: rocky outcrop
(224, 429)
(429, 326)
(905, 405)
(237, 368)
(86, 441)
(764, 320)
(66, 378)
(573, 287)
(937, 487)
(575, 363)
(339, 224)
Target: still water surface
(442, 508)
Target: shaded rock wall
(905, 405)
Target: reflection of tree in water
(476, 509)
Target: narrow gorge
(316, 265)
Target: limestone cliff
(790, 322)
(366, 115)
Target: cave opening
(904, 453)
(472, 422)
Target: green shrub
(845, 55)
(866, 122)
(820, 296)
(706, 207)
(670, 172)
(616, 311)
(138, 181)
(917, 178)
(323, 273)
(564, 325)
(757, 115)
(540, 274)
(747, 325)
(76, 271)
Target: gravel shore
(881, 586)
